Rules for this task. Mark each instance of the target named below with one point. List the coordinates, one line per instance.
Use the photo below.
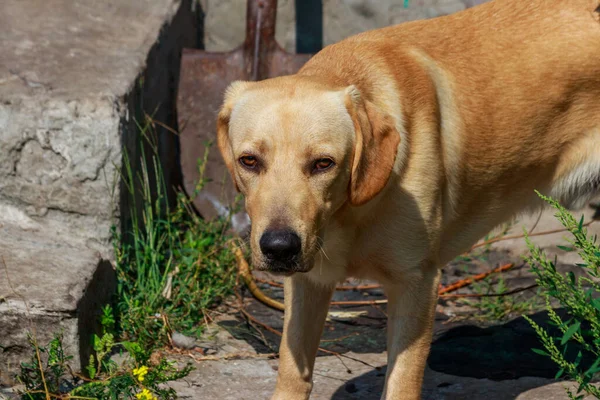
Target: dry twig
(244, 271)
(244, 355)
(467, 281)
(502, 238)
(461, 295)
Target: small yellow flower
(145, 395)
(140, 373)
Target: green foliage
(579, 296)
(496, 304)
(173, 265)
(48, 373)
(44, 372)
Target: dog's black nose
(280, 244)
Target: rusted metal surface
(204, 78)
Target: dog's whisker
(320, 247)
(322, 250)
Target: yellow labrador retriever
(395, 150)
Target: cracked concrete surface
(60, 155)
(69, 101)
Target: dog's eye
(249, 161)
(322, 164)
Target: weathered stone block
(71, 95)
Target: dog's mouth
(283, 268)
(281, 273)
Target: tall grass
(172, 265)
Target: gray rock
(183, 342)
(75, 78)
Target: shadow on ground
(497, 353)
(442, 387)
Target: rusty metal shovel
(203, 80)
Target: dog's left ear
(375, 148)
(232, 94)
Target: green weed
(496, 304)
(580, 297)
(49, 375)
(173, 265)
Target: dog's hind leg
(306, 305)
(411, 309)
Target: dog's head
(299, 151)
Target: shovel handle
(260, 34)
(260, 16)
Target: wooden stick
(358, 302)
(467, 281)
(244, 271)
(460, 295)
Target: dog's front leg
(411, 309)
(306, 305)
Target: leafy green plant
(49, 375)
(173, 265)
(44, 372)
(580, 298)
(496, 303)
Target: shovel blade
(202, 83)
(203, 79)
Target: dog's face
(298, 152)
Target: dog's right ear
(232, 95)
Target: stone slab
(74, 49)
(48, 286)
(76, 78)
(51, 274)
